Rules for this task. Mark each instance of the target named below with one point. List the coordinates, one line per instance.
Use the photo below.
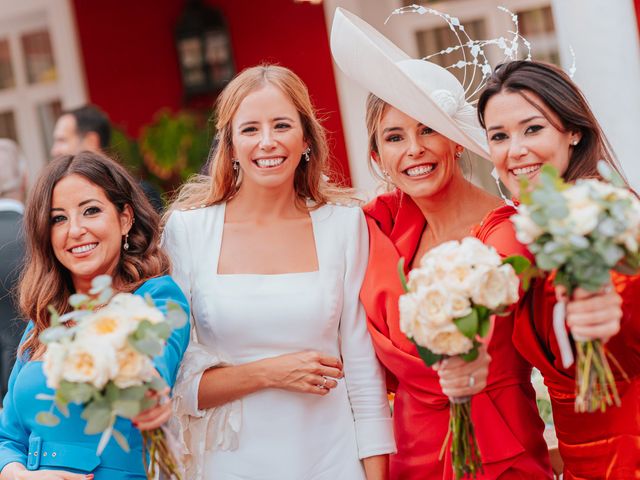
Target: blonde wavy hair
(311, 181)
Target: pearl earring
(575, 142)
(125, 247)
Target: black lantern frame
(204, 49)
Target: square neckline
(219, 233)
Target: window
(37, 42)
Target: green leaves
(176, 316)
(403, 278)
(427, 356)
(518, 262)
(469, 324)
(124, 445)
(47, 418)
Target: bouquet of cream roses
(446, 309)
(582, 232)
(100, 356)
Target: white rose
(107, 324)
(512, 284)
(527, 231)
(449, 341)
(583, 210)
(475, 252)
(491, 289)
(460, 305)
(434, 306)
(137, 308)
(90, 361)
(133, 368)
(53, 364)
(408, 307)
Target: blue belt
(45, 453)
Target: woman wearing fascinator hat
(419, 123)
(535, 115)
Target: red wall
(131, 64)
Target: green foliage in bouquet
(583, 230)
(99, 356)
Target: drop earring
(125, 247)
(306, 155)
(494, 174)
(236, 165)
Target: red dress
(592, 445)
(508, 427)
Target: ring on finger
(324, 382)
(472, 381)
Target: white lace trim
(201, 431)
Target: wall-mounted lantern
(204, 49)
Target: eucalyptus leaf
(121, 440)
(127, 408)
(149, 299)
(403, 278)
(157, 383)
(78, 299)
(98, 421)
(162, 330)
(76, 392)
(148, 346)
(53, 334)
(468, 325)
(176, 316)
(100, 283)
(55, 316)
(105, 296)
(133, 393)
(47, 419)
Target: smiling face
(86, 229)
(418, 160)
(523, 138)
(268, 138)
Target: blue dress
(65, 446)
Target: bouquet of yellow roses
(447, 308)
(100, 356)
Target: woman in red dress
(535, 115)
(419, 123)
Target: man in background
(88, 128)
(12, 197)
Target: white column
(604, 35)
(352, 97)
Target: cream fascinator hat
(419, 88)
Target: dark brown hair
(560, 95)
(44, 280)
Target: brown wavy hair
(222, 182)
(563, 97)
(44, 280)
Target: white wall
(604, 35)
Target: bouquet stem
(465, 454)
(154, 442)
(596, 386)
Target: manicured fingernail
(135, 424)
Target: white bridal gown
(276, 434)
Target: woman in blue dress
(86, 217)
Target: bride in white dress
(280, 381)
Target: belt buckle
(35, 450)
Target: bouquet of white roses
(447, 308)
(582, 232)
(100, 356)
